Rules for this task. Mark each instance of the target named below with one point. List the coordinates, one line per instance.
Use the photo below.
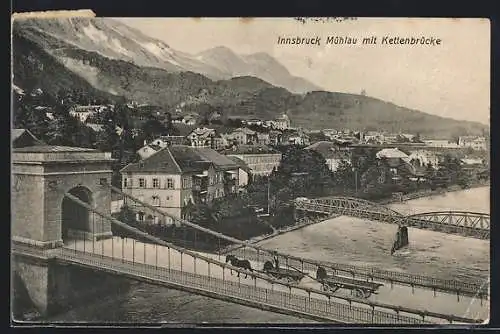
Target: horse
(321, 273)
(268, 265)
(245, 264)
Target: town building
(204, 137)
(333, 154)
(392, 167)
(373, 137)
(178, 176)
(275, 137)
(282, 122)
(164, 141)
(187, 119)
(242, 136)
(263, 138)
(474, 142)
(421, 159)
(84, 112)
(295, 137)
(441, 143)
(259, 158)
(396, 161)
(257, 122)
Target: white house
(474, 142)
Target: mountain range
(107, 58)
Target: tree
(153, 128)
(303, 171)
(344, 176)
(25, 116)
(451, 168)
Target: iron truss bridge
(469, 224)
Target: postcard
(250, 171)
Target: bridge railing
(479, 290)
(475, 289)
(316, 308)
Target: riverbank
(430, 193)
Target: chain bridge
(69, 223)
(469, 224)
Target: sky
(450, 80)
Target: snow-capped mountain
(260, 65)
(116, 40)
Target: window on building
(140, 216)
(185, 183)
(169, 220)
(142, 183)
(156, 201)
(125, 183)
(156, 183)
(170, 183)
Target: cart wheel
(358, 293)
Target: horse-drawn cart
(332, 283)
(287, 274)
(290, 275)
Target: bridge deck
(164, 257)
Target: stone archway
(75, 219)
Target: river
(343, 239)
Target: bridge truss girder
(470, 224)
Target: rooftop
(326, 149)
(16, 133)
(250, 149)
(45, 153)
(246, 131)
(52, 149)
(391, 153)
(176, 159)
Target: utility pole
(268, 194)
(356, 179)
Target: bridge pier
(50, 287)
(401, 239)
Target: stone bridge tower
(42, 217)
